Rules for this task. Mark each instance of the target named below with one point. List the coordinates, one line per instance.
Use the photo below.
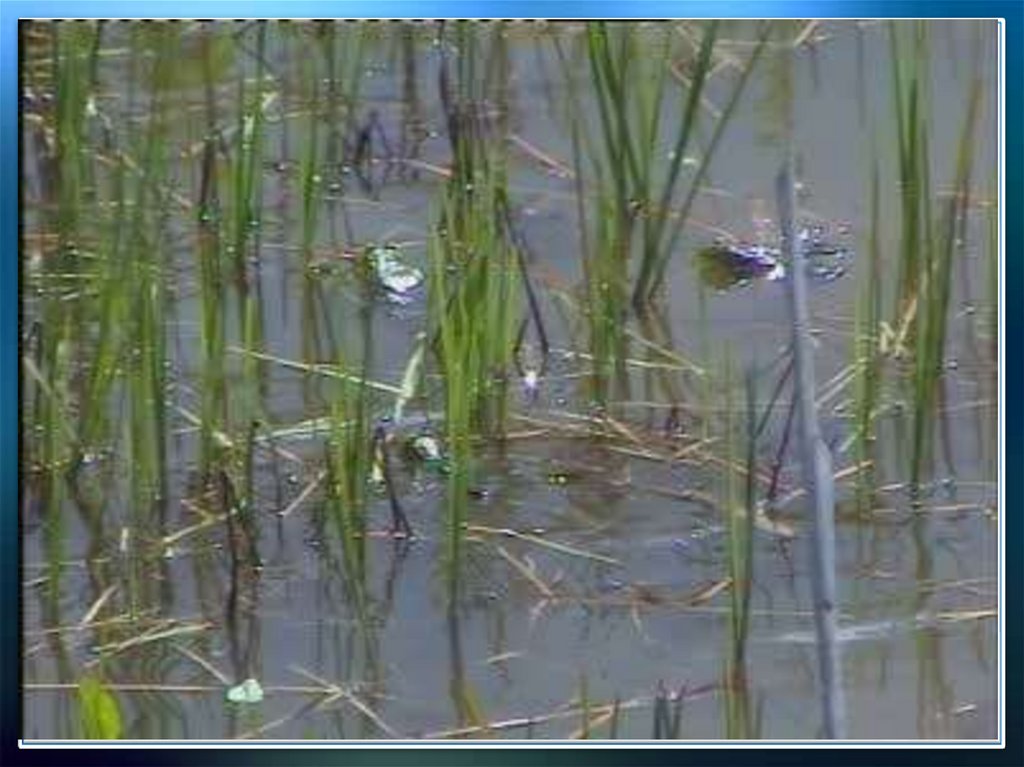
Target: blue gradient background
(1013, 299)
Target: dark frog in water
(726, 265)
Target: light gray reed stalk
(817, 469)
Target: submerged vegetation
(338, 333)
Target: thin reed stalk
(867, 357)
(817, 471)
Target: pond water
(594, 571)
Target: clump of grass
(248, 194)
(638, 200)
(330, 88)
(735, 489)
(243, 255)
(48, 374)
(474, 297)
(213, 337)
(632, 91)
(867, 357)
(909, 91)
(473, 300)
(350, 456)
(148, 374)
(930, 234)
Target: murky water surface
(592, 566)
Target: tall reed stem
(817, 470)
